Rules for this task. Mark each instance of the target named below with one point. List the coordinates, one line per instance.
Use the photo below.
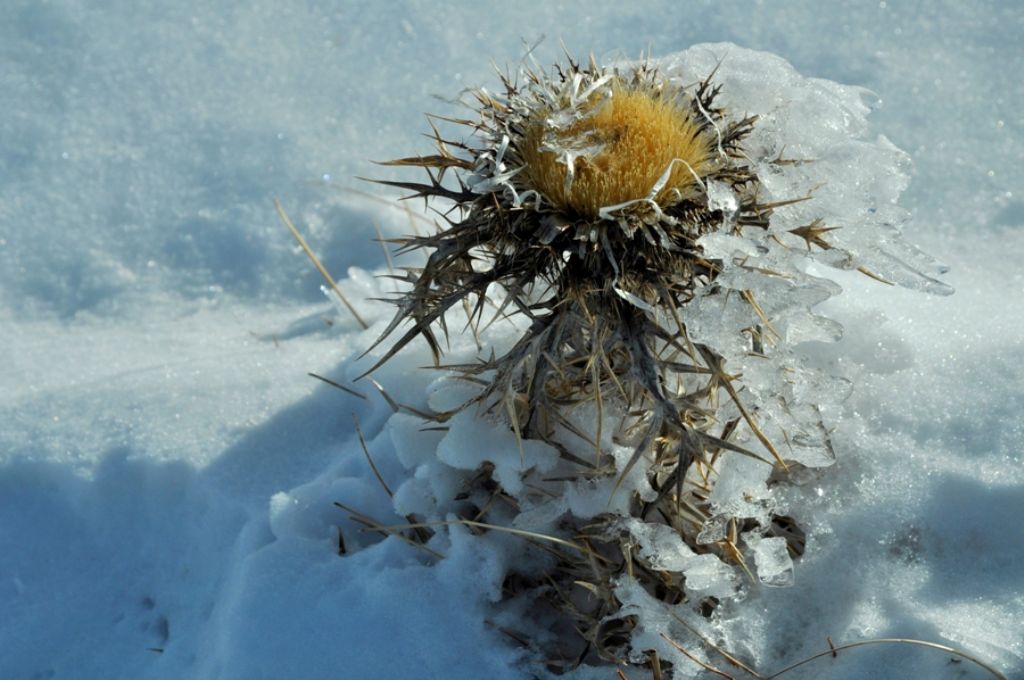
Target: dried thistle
(583, 202)
(615, 209)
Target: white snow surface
(168, 471)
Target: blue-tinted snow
(157, 325)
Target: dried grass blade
(316, 263)
(691, 657)
(582, 549)
(638, 452)
(728, 657)
(878, 641)
(384, 246)
(369, 458)
(347, 390)
(596, 380)
(726, 382)
(373, 525)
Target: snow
(168, 471)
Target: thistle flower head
(597, 147)
(584, 190)
(623, 144)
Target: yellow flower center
(625, 146)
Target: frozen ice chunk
(708, 575)
(415, 497)
(774, 565)
(850, 183)
(721, 197)
(473, 439)
(449, 393)
(717, 244)
(663, 549)
(740, 477)
(282, 514)
(660, 545)
(414, 445)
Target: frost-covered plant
(657, 225)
